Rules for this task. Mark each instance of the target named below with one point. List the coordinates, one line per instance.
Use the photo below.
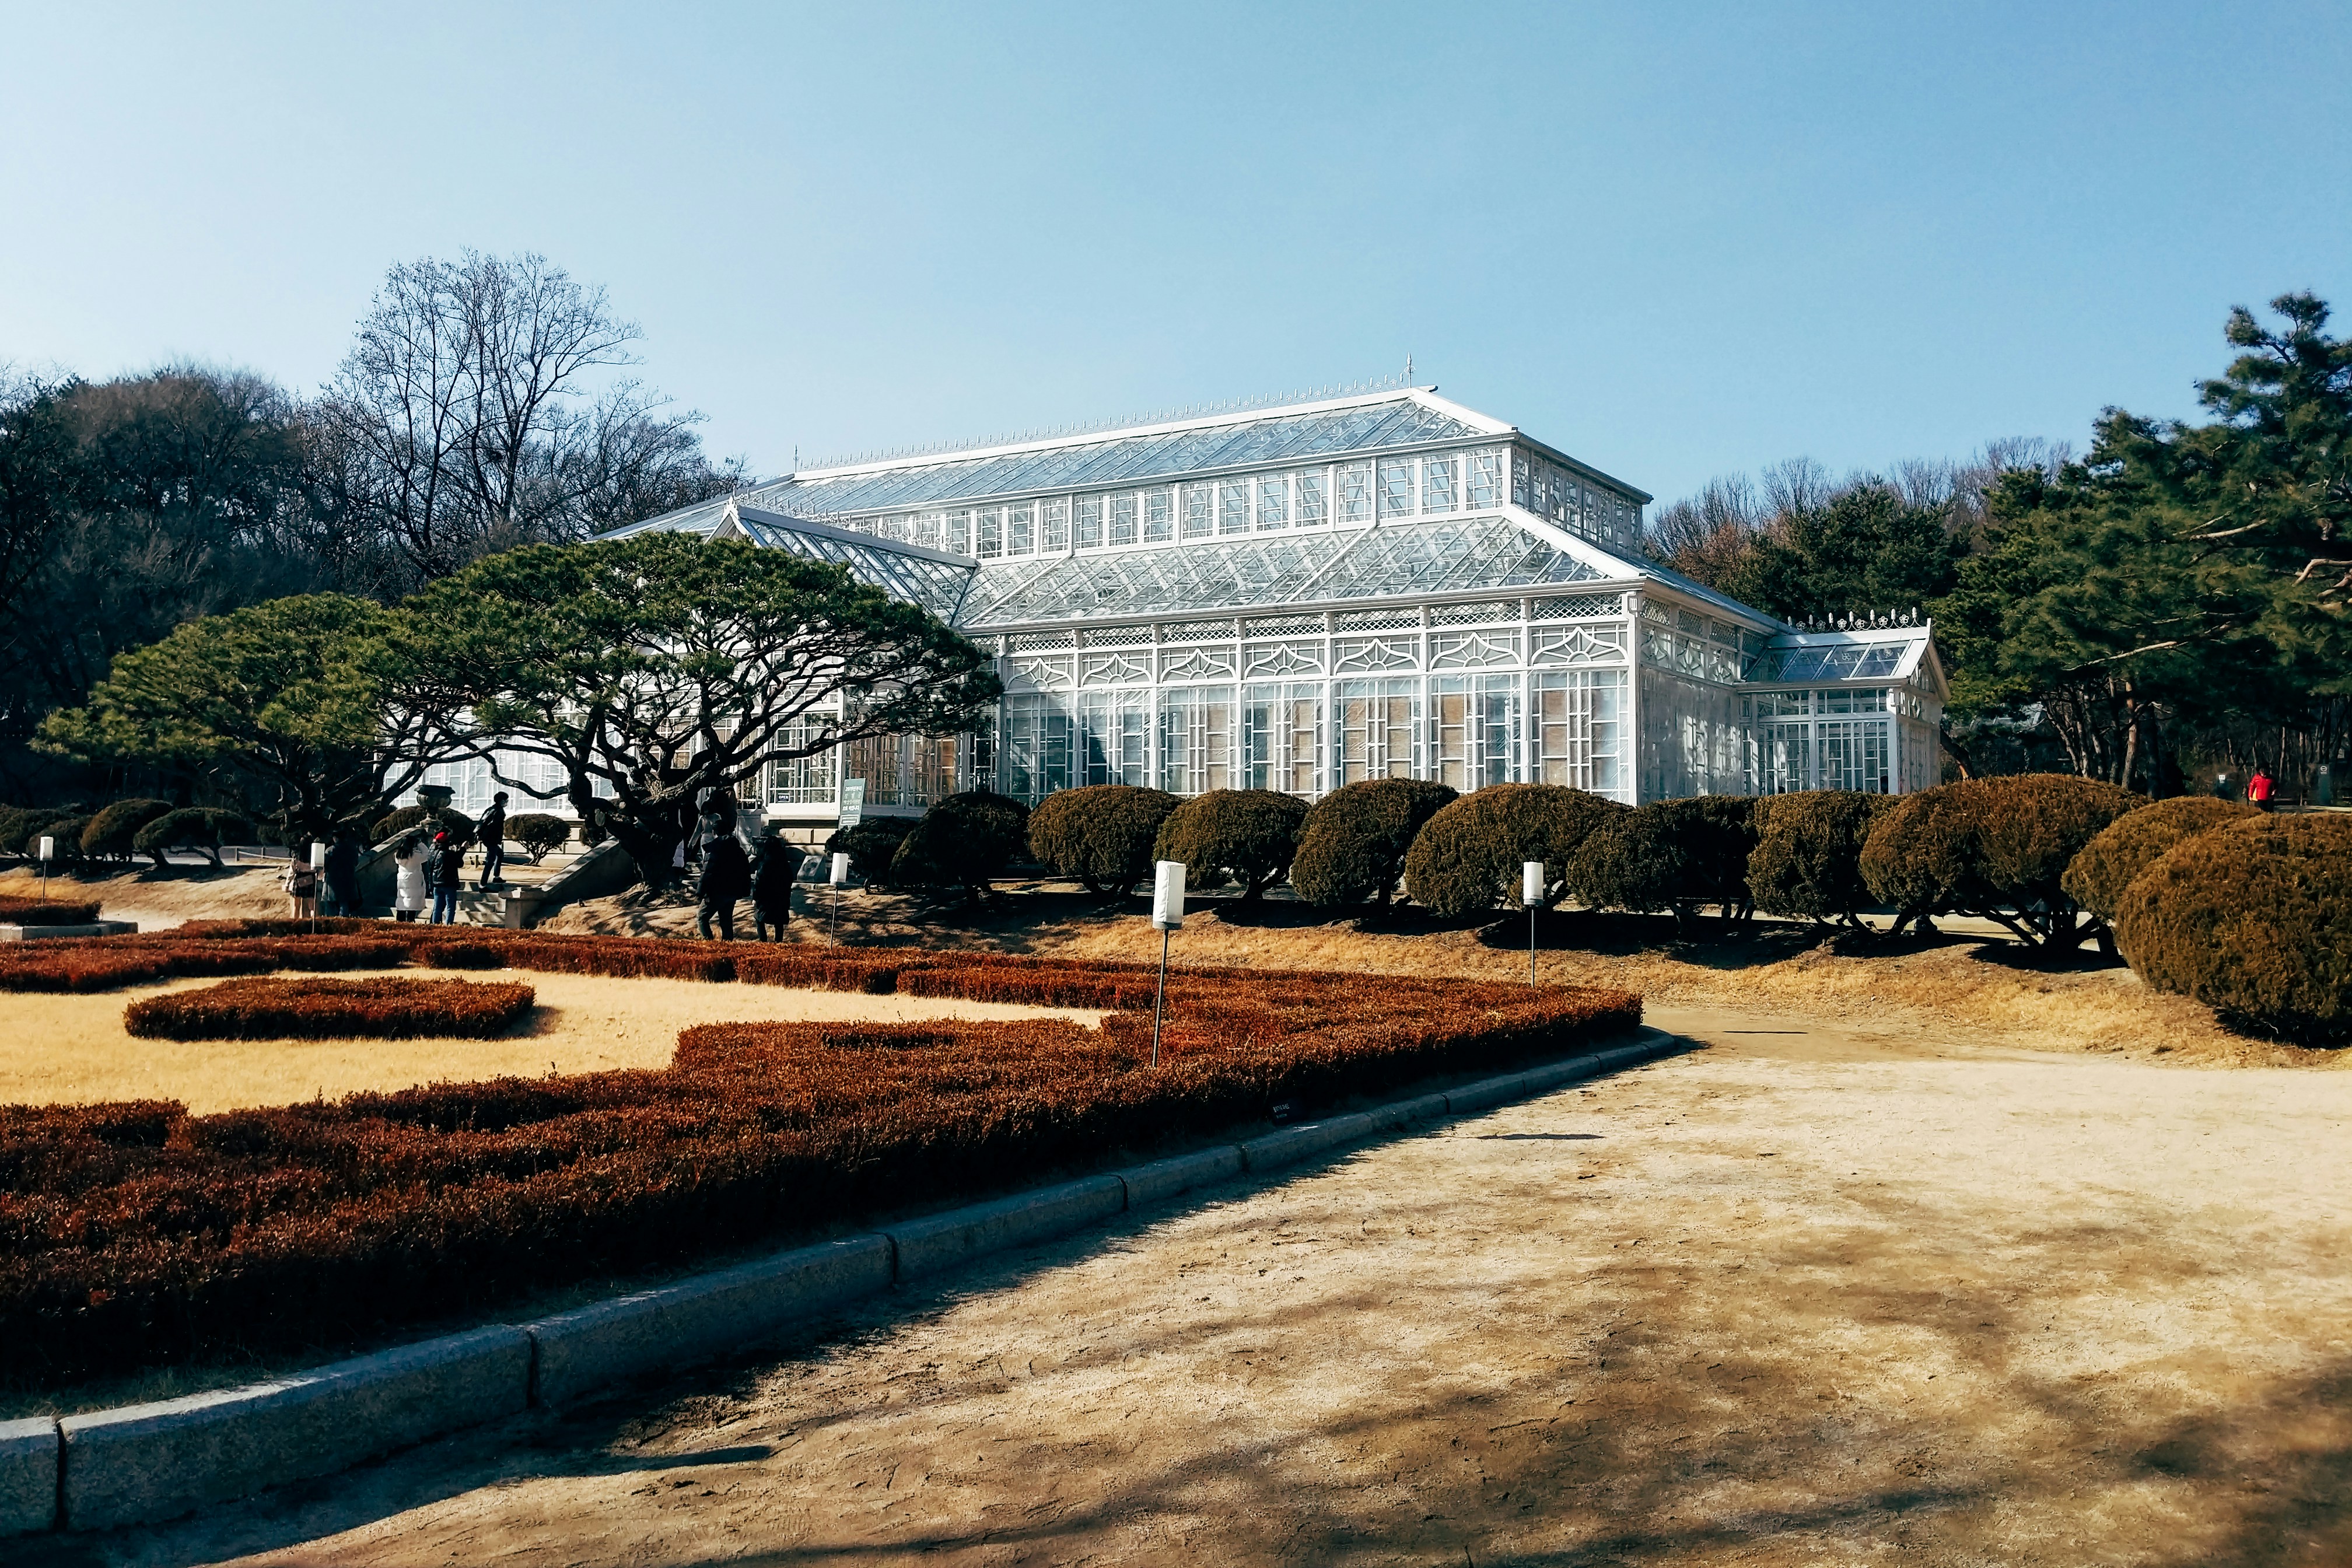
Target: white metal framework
(1297, 598)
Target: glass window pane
(1087, 527)
(1272, 502)
(1019, 538)
(1158, 516)
(1485, 480)
(1122, 520)
(992, 532)
(1233, 506)
(1056, 528)
(1396, 487)
(1199, 510)
(1311, 505)
(960, 532)
(1356, 492)
(1437, 491)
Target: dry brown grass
(164, 898)
(65, 1049)
(1986, 992)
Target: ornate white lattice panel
(1197, 664)
(1283, 626)
(1030, 642)
(1473, 650)
(1357, 655)
(1114, 669)
(1473, 615)
(1281, 658)
(1575, 606)
(1377, 621)
(1195, 631)
(1579, 645)
(1118, 637)
(1040, 674)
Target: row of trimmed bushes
(381, 1007)
(136, 1234)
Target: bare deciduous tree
(481, 406)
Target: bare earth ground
(1824, 1297)
(160, 898)
(69, 1049)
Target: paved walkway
(1804, 1297)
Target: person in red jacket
(2258, 790)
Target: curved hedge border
(136, 1234)
(379, 1008)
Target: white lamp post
(1167, 915)
(49, 850)
(840, 874)
(1531, 892)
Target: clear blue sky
(1675, 240)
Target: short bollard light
(318, 871)
(1531, 892)
(49, 850)
(1167, 915)
(840, 874)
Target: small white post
(317, 881)
(840, 874)
(48, 849)
(1531, 892)
(1167, 915)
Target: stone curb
(613, 1342)
(144, 1463)
(28, 1475)
(46, 934)
(943, 1241)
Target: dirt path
(1801, 1298)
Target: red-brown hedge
(380, 1008)
(46, 912)
(133, 1236)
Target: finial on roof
(1408, 367)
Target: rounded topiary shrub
(22, 835)
(199, 827)
(870, 846)
(66, 831)
(1808, 856)
(1995, 848)
(1676, 855)
(446, 820)
(1468, 854)
(539, 833)
(2096, 878)
(1101, 834)
(965, 841)
(2254, 920)
(1245, 836)
(112, 831)
(1353, 842)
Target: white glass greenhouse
(1298, 597)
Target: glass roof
(1120, 460)
(1823, 659)
(1436, 556)
(937, 585)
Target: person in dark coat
(445, 872)
(344, 873)
(726, 878)
(493, 834)
(773, 868)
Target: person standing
(344, 873)
(773, 870)
(445, 872)
(409, 855)
(301, 884)
(494, 842)
(2258, 790)
(726, 878)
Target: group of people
(735, 868)
(428, 861)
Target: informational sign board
(840, 868)
(1531, 882)
(1168, 896)
(49, 849)
(318, 855)
(853, 802)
